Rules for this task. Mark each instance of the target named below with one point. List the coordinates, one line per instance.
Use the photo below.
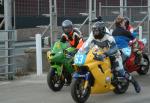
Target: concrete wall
(30, 58)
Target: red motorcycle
(138, 60)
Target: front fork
(58, 71)
(86, 77)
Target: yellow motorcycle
(94, 77)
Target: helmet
(67, 26)
(98, 30)
(67, 23)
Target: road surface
(34, 89)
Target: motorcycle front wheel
(54, 81)
(78, 93)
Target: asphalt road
(34, 89)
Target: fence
(7, 54)
(138, 16)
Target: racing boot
(134, 82)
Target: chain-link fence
(32, 12)
(138, 16)
(134, 13)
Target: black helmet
(67, 26)
(98, 30)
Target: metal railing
(7, 54)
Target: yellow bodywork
(101, 84)
(48, 56)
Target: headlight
(48, 55)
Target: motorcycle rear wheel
(144, 68)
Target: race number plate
(79, 59)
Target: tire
(144, 69)
(76, 85)
(121, 87)
(52, 80)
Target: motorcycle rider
(139, 57)
(122, 36)
(102, 39)
(73, 36)
(70, 34)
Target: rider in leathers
(102, 39)
(71, 35)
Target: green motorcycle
(61, 59)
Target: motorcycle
(60, 58)
(94, 77)
(138, 60)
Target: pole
(100, 9)
(125, 9)
(8, 14)
(50, 10)
(148, 26)
(121, 7)
(90, 15)
(53, 18)
(8, 26)
(38, 55)
(14, 3)
(64, 7)
(38, 7)
(94, 10)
